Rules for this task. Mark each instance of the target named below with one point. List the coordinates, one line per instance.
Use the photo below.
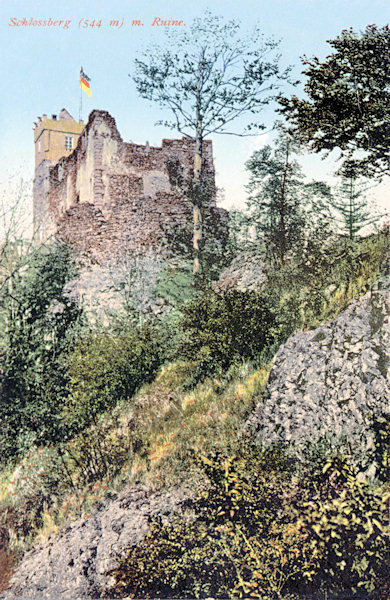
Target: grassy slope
(146, 439)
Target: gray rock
(246, 272)
(331, 380)
(75, 564)
(114, 286)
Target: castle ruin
(103, 195)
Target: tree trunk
(197, 207)
(282, 208)
(351, 215)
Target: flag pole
(81, 99)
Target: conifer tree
(283, 208)
(353, 212)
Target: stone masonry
(109, 196)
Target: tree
(38, 319)
(209, 77)
(348, 105)
(352, 208)
(240, 234)
(15, 238)
(282, 206)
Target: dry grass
(7, 567)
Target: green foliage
(40, 321)
(208, 76)
(179, 242)
(255, 535)
(249, 499)
(227, 550)
(240, 238)
(325, 277)
(346, 527)
(283, 209)
(218, 329)
(99, 451)
(353, 210)
(221, 328)
(174, 284)
(105, 368)
(178, 560)
(37, 482)
(348, 99)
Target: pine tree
(283, 208)
(353, 212)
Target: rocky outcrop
(245, 272)
(118, 286)
(75, 564)
(332, 380)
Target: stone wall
(109, 196)
(44, 224)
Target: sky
(40, 70)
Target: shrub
(105, 368)
(380, 452)
(40, 321)
(325, 277)
(221, 328)
(345, 524)
(178, 560)
(255, 535)
(100, 450)
(235, 545)
(37, 483)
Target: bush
(345, 524)
(239, 542)
(40, 322)
(105, 368)
(179, 560)
(221, 328)
(325, 278)
(100, 450)
(255, 534)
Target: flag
(84, 82)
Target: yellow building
(55, 137)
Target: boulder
(332, 380)
(245, 272)
(76, 562)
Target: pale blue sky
(40, 67)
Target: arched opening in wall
(77, 199)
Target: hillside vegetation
(164, 402)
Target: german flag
(84, 82)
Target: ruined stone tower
(54, 138)
(103, 195)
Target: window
(68, 142)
